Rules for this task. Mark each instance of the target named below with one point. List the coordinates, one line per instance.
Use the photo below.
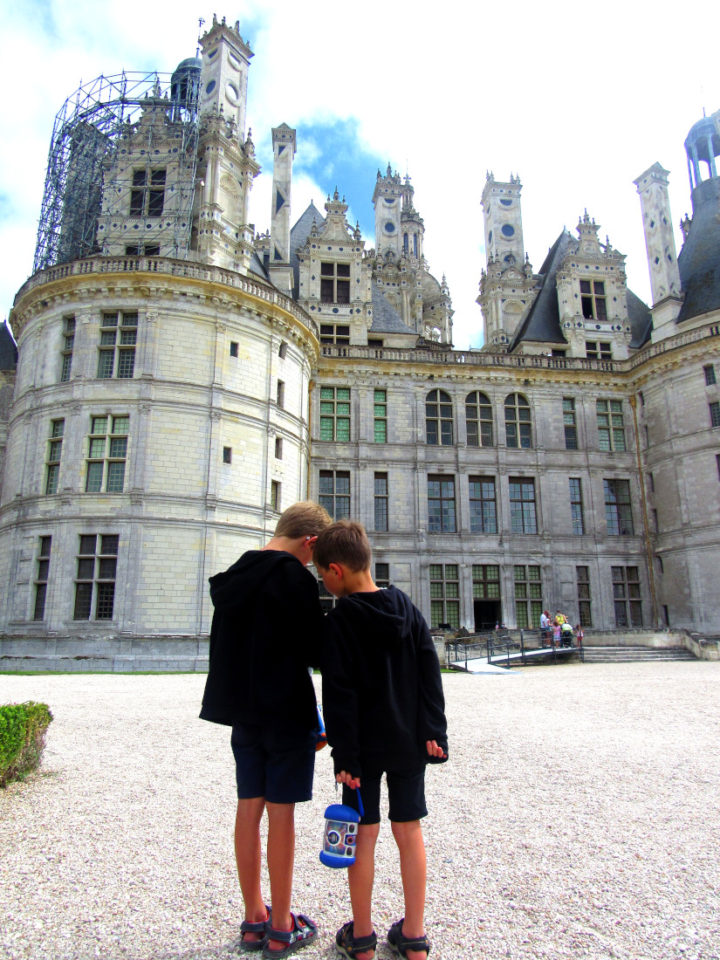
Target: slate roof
(298, 235)
(257, 267)
(8, 349)
(386, 319)
(542, 322)
(699, 259)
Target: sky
(575, 99)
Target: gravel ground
(577, 817)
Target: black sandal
(259, 928)
(348, 945)
(400, 944)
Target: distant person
(545, 628)
(384, 710)
(266, 632)
(579, 635)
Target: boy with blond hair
(384, 711)
(265, 634)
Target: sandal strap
(302, 929)
(352, 944)
(402, 943)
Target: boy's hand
(434, 750)
(348, 779)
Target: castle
(178, 380)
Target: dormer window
(148, 193)
(335, 283)
(592, 296)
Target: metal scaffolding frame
(85, 138)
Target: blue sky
(576, 99)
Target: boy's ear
(336, 569)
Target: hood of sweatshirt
(240, 584)
(386, 614)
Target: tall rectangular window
(570, 423)
(41, 577)
(334, 493)
(626, 595)
(592, 299)
(715, 414)
(67, 351)
(382, 575)
(57, 429)
(147, 195)
(278, 448)
(380, 416)
(107, 454)
(611, 426)
(582, 578)
(95, 580)
(486, 581)
(576, 506)
(381, 502)
(528, 595)
(335, 413)
(523, 514)
(118, 337)
(441, 504)
(335, 282)
(280, 393)
(709, 371)
(275, 498)
(483, 506)
(478, 420)
(444, 595)
(618, 512)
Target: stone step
(632, 654)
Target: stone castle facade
(179, 380)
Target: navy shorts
(406, 793)
(278, 767)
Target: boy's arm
(340, 700)
(431, 719)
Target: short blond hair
(303, 519)
(343, 542)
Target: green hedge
(23, 727)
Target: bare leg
(360, 880)
(411, 846)
(281, 860)
(247, 855)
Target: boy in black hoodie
(265, 634)
(384, 708)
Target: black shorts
(406, 793)
(278, 767)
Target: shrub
(23, 727)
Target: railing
(497, 646)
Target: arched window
(518, 429)
(439, 419)
(478, 418)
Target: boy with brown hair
(265, 634)
(384, 708)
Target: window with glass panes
(715, 414)
(483, 506)
(618, 512)
(41, 577)
(380, 502)
(486, 581)
(118, 337)
(334, 492)
(598, 350)
(626, 596)
(380, 416)
(570, 423)
(576, 506)
(382, 575)
(439, 419)
(148, 193)
(444, 595)
(441, 504)
(523, 514)
(611, 425)
(335, 334)
(582, 578)
(57, 429)
(95, 579)
(335, 413)
(528, 595)
(107, 454)
(67, 351)
(592, 298)
(478, 420)
(709, 370)
(335, 283)
(518, 429)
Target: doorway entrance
(487, 614)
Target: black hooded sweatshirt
(266, 632)
(382, 687)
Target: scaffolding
(87, 133)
